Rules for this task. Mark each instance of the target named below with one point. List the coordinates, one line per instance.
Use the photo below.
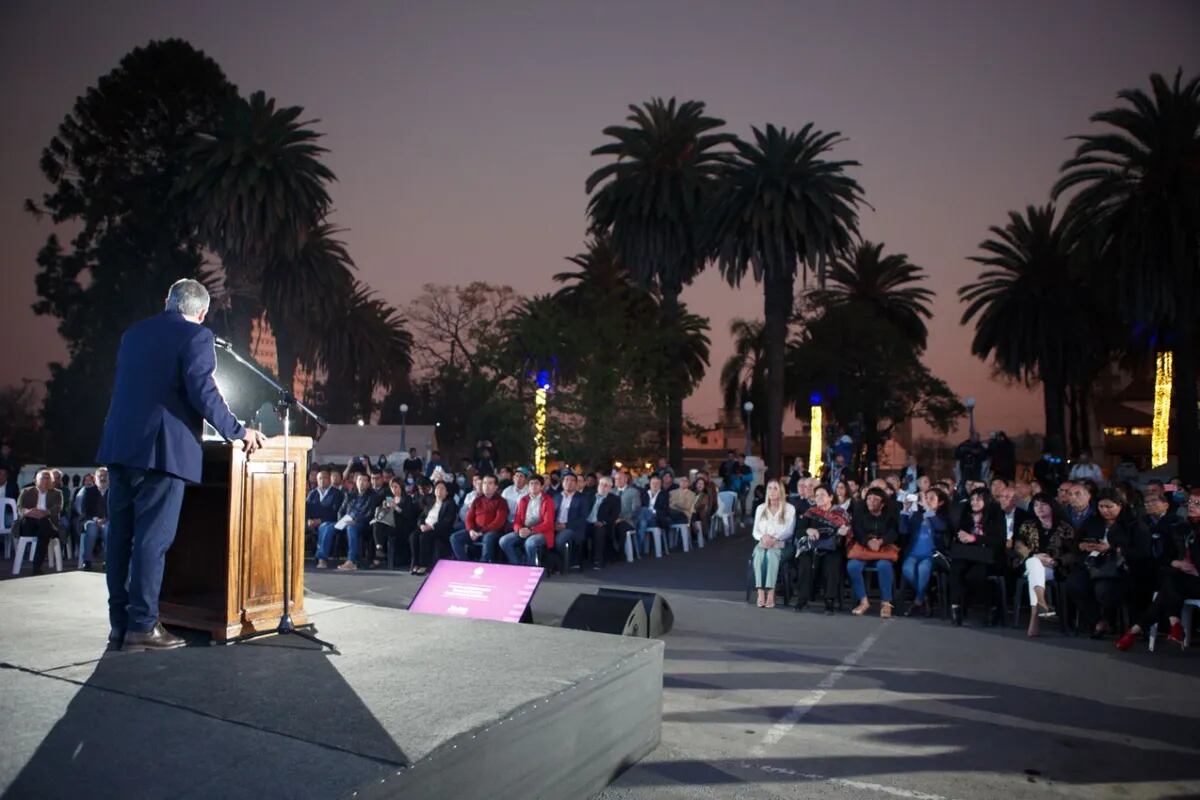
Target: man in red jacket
(533, 526)
(486, 521)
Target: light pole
(748, 407)
(970, 404)
(403, 429)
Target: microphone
(224, 344)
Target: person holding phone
(1099, 585)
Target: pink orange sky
(460, 132)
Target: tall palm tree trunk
(676, 379)
(1183, 392)
(777, 310)
(1053, 403)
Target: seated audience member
(1080, 503)
(604, 509)
(631, 510)
(1024, 495)
(591, 483)
(533, 525)
(395, 518)
(974, 552)
(570, 514)
(435, 462)
(337, 482)
(1101, 582)
(465, 506)
(359, 505)
(705, 506)
(841, 496)
(39, 515)
(513, 493)
(487, 521)
(682, 503)
(504, 479)
(827, 527)
(1149, 549)
(657, 511)
(927, 532)
(875, 532)
(1086, 469)
(1180, 580)
(94, 516)
(434, 526)
(774, 526)
(1037, 540)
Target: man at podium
(163, 392)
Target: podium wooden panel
(224, 572)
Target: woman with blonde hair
(774, 524)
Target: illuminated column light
(816, 426)
(1162, 409)
(539, 429)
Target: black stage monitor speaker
(624, 616)
(659, 618)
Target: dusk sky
(460, 132)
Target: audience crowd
(1115, 559)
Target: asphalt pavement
(771, 703)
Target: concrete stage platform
(416, 706)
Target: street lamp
(970, 404)
(747, 407)
(403, 428)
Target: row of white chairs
(680, 534)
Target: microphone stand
(283, 407)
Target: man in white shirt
(570, 521)
(40, 508)
(513, 493)
(1086, 469)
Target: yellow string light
(1162, 409)
(539, 430)
(814, 447)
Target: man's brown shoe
(156, 638)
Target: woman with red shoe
(1180, 581)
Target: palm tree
(883, 285)
(651, 200)
(1026, 310)
(744, 374)
(373, 350)
(257, 188)
(782, 205)
(1138, 189)
(307, 299)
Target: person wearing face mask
(1181, 580)
(1100, 583)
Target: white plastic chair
(1185, 619)
(679, 532)
(9, 507)
(657, 535)
(724, 514)
(630, 535)
(53, 555)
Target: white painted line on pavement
(809, 700)
(894, 791)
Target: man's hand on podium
(252, 441)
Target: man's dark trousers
(143, 514)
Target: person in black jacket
(1100, 583)
(1180, 580)
(875, 526)
(1150, 550)
(433, 529)
(975, 549)
(395, 519)
(603, 509)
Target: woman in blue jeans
(876, 530)
(926, 534)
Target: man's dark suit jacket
(164, 391)
(325, 510)
(577, 514)
(662, 510)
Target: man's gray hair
(188, 297)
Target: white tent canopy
(343, 442)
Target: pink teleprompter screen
(477, 591)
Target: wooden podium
(224, 572)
